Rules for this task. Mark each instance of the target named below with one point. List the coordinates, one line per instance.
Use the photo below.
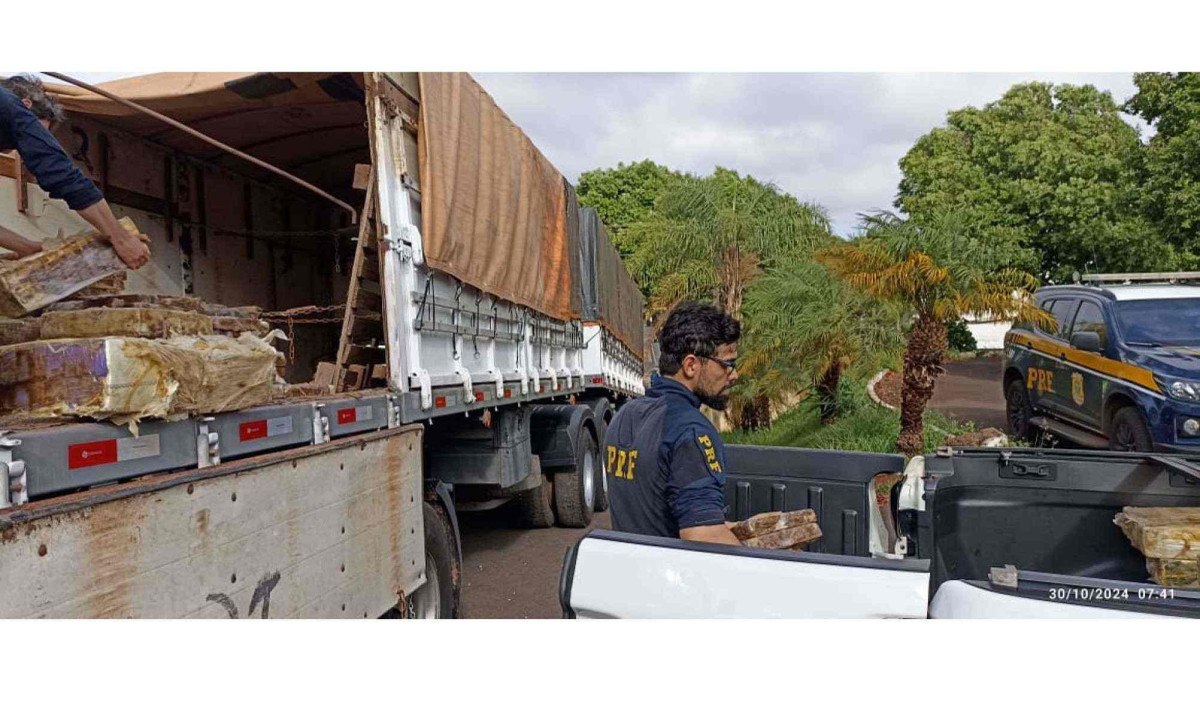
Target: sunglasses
(729, 365)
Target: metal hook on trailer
(419, 320)
(14, 485)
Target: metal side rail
(47, 461)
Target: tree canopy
(1055, 164)
(1171, 191)
(709, 237)
(624, 195)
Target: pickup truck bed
(964, 514)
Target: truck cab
(982, 533)
(1119, 369)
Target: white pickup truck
(980, 533)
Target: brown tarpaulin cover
(620, 298)
(308, 123)
(190, 95)
(610, 294)
(492, 206)
(574, 248)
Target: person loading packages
(666, 461)
(27, 114)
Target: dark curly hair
(694, 328)
(28, 87)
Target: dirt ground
(511, 573)
(970, 391)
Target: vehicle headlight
(1183, 389)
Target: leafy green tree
(958, 333)
(1055, 164)
(1171, 191)
(806, 328)
(939, 269)
(624, 195)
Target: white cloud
(830, 138)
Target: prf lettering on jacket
(710, 452)
(620, 463)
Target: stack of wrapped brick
(1169, 538)
(71, 345)
(778, 530)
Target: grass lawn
(863, 426)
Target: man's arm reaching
(58, 176)
(130, 249)
(10, 240)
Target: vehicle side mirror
(1086, 341)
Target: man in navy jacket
(27, 114)
(665, 460)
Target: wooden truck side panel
(329, 530)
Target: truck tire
(602, 411)
(438, 597)
(602, 414)
(1129, 432)
(535, 507)
(1019, 411)
(575, 492)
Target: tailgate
(617, 575)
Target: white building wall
(989, 335)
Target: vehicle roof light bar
(1129, 277)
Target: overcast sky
(832, 139)
(829, 138)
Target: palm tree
(809, 327)
(709, 237)
(940, 271)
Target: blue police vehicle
(1120, 369)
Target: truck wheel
(575, 492)
(1130, 433)
(438, 597)
(1019, 411)
(536, 506)
(602, 489)
(601, 504)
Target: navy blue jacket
(665, 463)
(43, 155)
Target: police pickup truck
(1119, 370)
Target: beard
(717, 401)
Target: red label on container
(597, 380)
(90, 454)
(439, 402)
(347, 416)
(479, 396)
(252, 430)
(507, 393)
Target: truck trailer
(480, 337)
